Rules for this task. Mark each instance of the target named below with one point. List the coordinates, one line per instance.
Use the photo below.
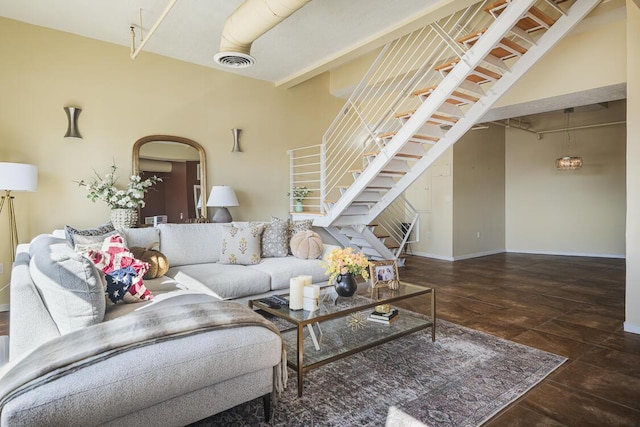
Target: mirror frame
(203, 161)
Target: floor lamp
(15, 177)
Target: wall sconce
(236, 140)
(72, 118)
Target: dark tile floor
(572, 306)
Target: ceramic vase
(298, 207)
(346, 285)
(124, 218)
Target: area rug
(462, 379)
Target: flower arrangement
(343, 261)
(299, 193)
(104, 188)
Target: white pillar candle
(296, 293)
(307, 280)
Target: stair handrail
(355, 138)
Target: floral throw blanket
(70, 352)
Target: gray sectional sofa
(170, 361)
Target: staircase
(423, 92)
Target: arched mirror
(181, 163)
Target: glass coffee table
(340, 328)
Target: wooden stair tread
(476, 76)
(367, 188)
(439, 117)
(504, 50)
(530, 22)
(428, 91)
(406, 155)
(382, 171)
(316, 213)
(423, 137)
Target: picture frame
(384, 274)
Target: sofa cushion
(306, 245)
(222, 280)
(240, 244)
(88, 243)
(100, 230)
(69, 284)
(145, 237)
(275, 238)
(283, 269)
(185, 244)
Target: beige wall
(123, 100)
(478, 193)
(632, 318)
(577, 212)
(432, 196)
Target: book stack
(386, 318)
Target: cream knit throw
(89, 345)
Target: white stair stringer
(475, 56)
(363, 239)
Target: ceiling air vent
(234, 59)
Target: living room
(124, 100)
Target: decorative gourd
(306, 245)
(158, 263)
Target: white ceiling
(322, 34)
(317, 33)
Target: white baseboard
(4, 307)
(582, 254)
(458, 258)
(514, 251)
(434, 256)
(634, 329)
(478, 254)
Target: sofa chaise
(77, 361)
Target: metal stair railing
(400, 222)
(306, 169)
(402, 67)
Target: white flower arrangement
(104, 188)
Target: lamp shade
(222, 196)
(18, 177)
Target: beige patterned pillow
(275, 238)
(241, 244)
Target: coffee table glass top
(362, 300)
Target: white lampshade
(222, 196)
(18, 177)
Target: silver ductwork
(250, 20)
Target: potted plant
(124, 204)
(299, 194)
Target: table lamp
(15, 177)
(221, 197)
